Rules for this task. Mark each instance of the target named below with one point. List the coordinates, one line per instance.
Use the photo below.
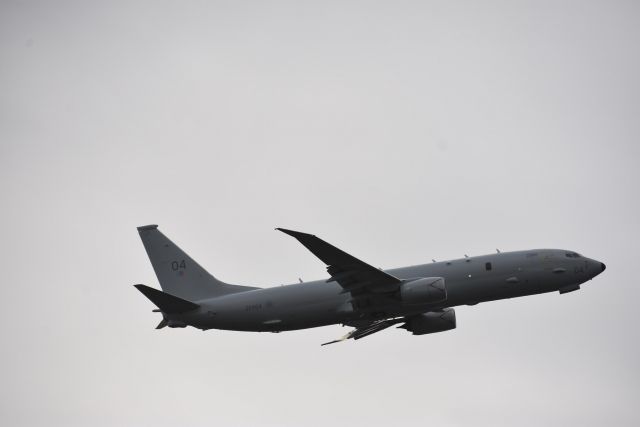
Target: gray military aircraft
(419, 298)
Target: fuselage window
(488, 266)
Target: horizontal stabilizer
(166, 302)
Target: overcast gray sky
(399, 131)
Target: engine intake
(429, 323)
(427, 290)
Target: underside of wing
(355, 276)
(367, 329)
(428, 322)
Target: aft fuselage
(468, 281)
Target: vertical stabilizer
(178, 273)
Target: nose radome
(602, 266)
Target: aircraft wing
(368, 328)
(353, 275)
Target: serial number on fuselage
(253, 307)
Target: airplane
(418, 298)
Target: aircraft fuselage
(468, 281)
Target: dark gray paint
(468, 281)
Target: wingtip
(148, 227)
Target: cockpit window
(572, 255)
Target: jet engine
(426, 290)
(434, 321)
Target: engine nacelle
(428, 323)
(427, 290)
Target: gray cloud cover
(399, 131)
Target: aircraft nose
(597, 267)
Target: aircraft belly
(275, 321)
(275, 309)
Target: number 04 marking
(175, 265)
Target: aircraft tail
(178, 274)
